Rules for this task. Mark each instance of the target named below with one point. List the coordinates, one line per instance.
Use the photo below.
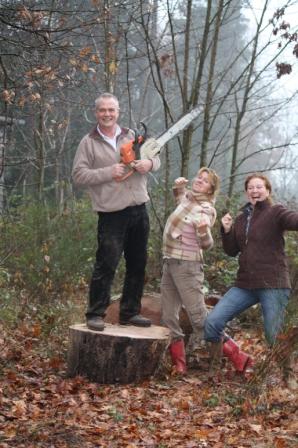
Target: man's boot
(239, 359)
(215, 351)
(177, 351)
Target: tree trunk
(210, 92)
(119, 354)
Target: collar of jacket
(260, 205)
(94, 133)
(199, 197)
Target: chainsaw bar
(172, 132)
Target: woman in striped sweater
(187, 233)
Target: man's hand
(142, 166)
(227, 222)
(118, 170)
(150, 148)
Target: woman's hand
(202, 227)
(180, 182)
(227, 222)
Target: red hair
(264, 178)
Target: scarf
(192, 208)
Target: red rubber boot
(177, 351)
(239, 359)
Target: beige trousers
(182, 285)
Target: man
(123, 223)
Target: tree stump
(118, 354)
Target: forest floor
(41, 408)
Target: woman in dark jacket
(257, 236)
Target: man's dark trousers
(125, 231)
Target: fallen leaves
(41, 408)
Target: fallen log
(119, 354)
(151, 308)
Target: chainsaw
(135, 149)
(130, 151)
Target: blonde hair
(213, 179)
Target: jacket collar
(260, 205)
(96, 135)
(199, 197)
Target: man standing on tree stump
(123, 222)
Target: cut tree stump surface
(129, 331)
(118, 354)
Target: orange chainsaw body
(130, 151)
(127, 151)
